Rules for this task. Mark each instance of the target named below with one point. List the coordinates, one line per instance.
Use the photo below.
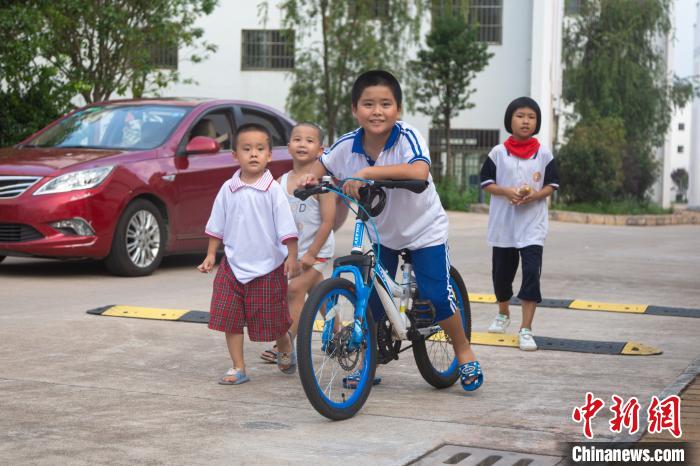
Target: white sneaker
(499, 324)
(526, 340)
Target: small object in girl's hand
(524, 190)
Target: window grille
(488, 14)
(268, 49)
(164, 56)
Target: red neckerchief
(523, 149)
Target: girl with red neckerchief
(519, 174)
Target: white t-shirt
(307, 215)
(512, 226)
(409, 220)
(253, 221)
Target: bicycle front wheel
(335, 367)
(434, 355)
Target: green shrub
(453, 197)
(590, 164)
(623, 207)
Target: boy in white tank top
(314, 219)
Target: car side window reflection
(215, 125)
(279, 135)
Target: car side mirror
(202, 145)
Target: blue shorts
(431, 266)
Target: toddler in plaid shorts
(252, 217)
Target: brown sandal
(287, 362)
(270, 355)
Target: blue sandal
(353, 380)
(233, 372)
(471, 370)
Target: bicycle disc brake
(388, 348)
(347, 359)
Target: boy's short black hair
(376, 78)
(321, 133)
(249, 127)
(522, 102)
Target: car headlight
(83, 179)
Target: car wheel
(139, 241)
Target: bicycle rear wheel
(335, 372)
(434, 354)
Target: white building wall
(545, 81)
(220, 75)
(694, 171)
(509, 74)
(680, 138)
(506, 77)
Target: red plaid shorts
(261, 304)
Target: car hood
(43, 161)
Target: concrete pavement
(82, 389)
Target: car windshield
(134, 127)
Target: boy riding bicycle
(384, 148)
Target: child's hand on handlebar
(306, 180)
(352, 187)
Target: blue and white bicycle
(339, 344)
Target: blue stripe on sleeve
(344, 137)
(410, 132)
(419, 159)
(416, 153)
(320, 159)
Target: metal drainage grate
(469, 456)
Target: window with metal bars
(488, 14)
(572, 7)
(267, 49)
(375, 9)
(164, 56)
(469, 148)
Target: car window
(271, 122)
(136, 127)
(215, 125)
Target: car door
(279, 130)
(199, 177)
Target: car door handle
(168, 177)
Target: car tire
(139, 241)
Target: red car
(125, 181)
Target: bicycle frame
(386, 288)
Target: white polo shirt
(512, 226)
(253, 221)
(409, 220)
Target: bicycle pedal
(422, 314)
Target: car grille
(17, 233)
(13, 186)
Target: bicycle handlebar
(415, 186)
(308, 191)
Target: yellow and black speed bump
(548, 302)
(196, 317)
(564, 344)
(137, 312)
(478, 338)
(672, 311)
(581, 305)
